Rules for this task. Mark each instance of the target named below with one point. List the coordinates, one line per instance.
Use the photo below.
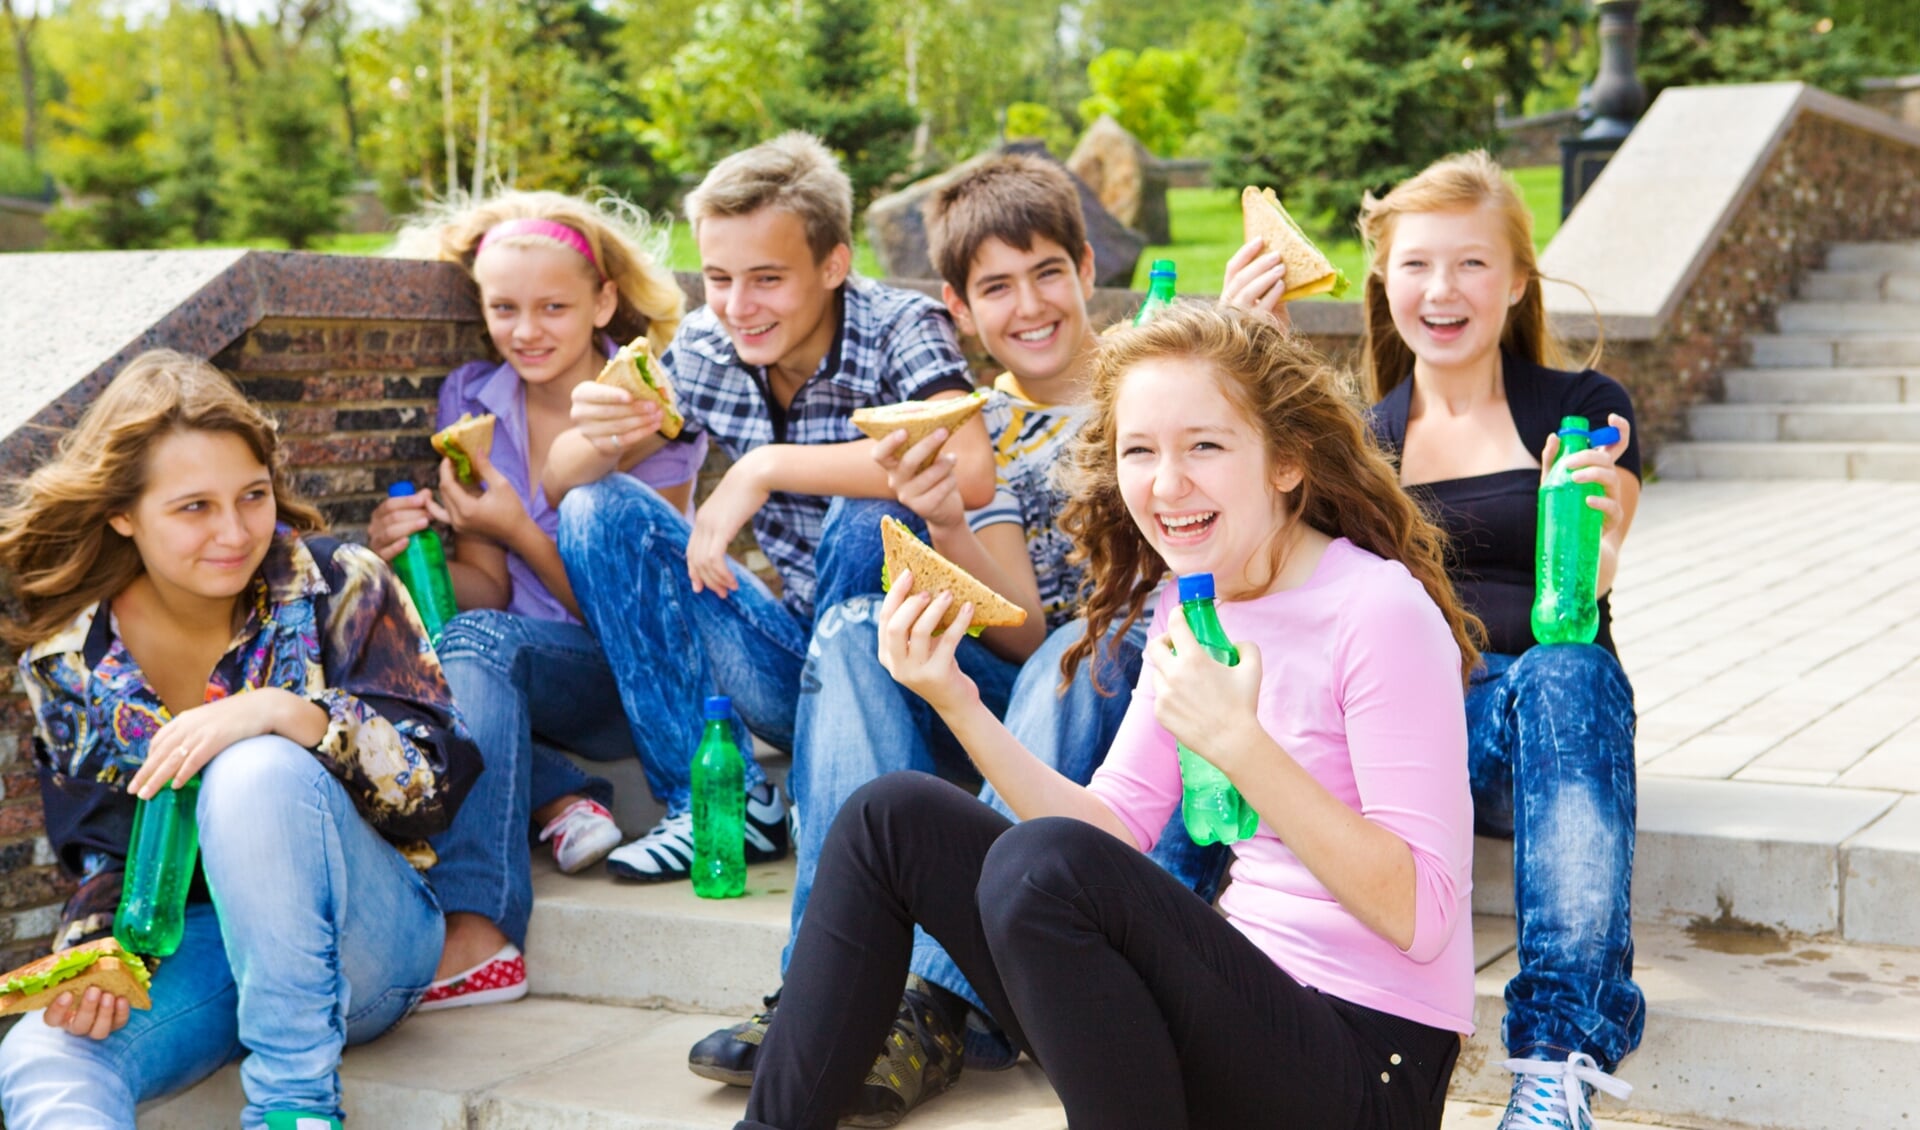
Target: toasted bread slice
(933, 573)
(463, 439)
(637, 370)
(38, 983)
(1308, 271)
(920, 418)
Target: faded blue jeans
(325, 937)
(1550, 756)
(527, 689)
(855, 724)
(669, 647)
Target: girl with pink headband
(561, 283)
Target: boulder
(897, 226)
(1129, 182)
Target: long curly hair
(1310, 420)
(57, 552)
(631, 251)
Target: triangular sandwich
(920, 418)
(637, 370)
(37, 983)
(933, 573)
(463, 439)
(1308, 271)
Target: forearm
(1030, 787)
(574, 461)
(299, 720)
(473, 587)
(1363, 865)
(830, 470)
(1609, 565)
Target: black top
(1493, 520)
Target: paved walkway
(1772, 632)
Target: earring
(1514, 300)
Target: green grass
(1206, 232)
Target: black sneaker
(767, 836)
(728, 1056)
(922, 1058)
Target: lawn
(1206, 232)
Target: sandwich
(1308, 271)
(103, 963)
(463, 439)
(637, 370)
(933, 574)
(920, 418)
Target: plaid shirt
(891, 345)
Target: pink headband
(558, 232)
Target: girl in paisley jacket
(179, 615)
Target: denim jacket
(325, 621)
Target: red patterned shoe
(500, 978)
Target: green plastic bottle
(1159, 292)
(1567, 548)
(1212, 807)
(422, 567)
(719, 808)
(161, 857)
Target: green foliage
(191, 193)
(1340, 97)
(18, 175)
(869, 126)
(1695, 42)
(1154, 94)
(292, 178)
(103, 157)
(1514, 29)
(1030, 121)
(707, 100)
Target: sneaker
(582, 835)
(502, 977)
(1551, 1095)
(300, 1120)
(663, 854)
(728, 1055)
(922, 1058)
(767, 835)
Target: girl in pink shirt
(1337, 986)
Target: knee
(614, 510)
(1034, 858)
(1556, 669)
(906, 798)
(253, 778)
(484, 635)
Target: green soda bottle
(1566, 563)
(1212, 808)
(719, 808)
(160, 860)
(422, 567)
(1159, 292)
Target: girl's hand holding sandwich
(1256, 280)
(918, 659)
(613, 419)
(96, 1015)
(932, 491)
(1207, 706)
(493, 510)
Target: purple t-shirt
(480, 387)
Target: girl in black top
(1470, 389)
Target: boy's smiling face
(774, 299)
(1029, 308)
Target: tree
(1696, 42)
(292, 177)
(1515, 29)
(192, 193)
(1340, 97)
(22, 33)
(1155, 94)
(843, 101)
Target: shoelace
(1570, 1101)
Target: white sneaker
(582, 835)
(1551, 1095)
(766, 833)
(662, 854)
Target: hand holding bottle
(1596, 465)
(1207, 706)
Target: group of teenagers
(369, 803)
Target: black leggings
(1146, 1008)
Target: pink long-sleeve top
(1360, 685)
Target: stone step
(1796, 423)
(1891, 256)
(1848, 317)
(1892, 384)
(1860, 286)
(1882, 461)
(1754, 1029)
(557, 1065)
(1779, 351)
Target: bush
(103, 161)
(18, 176)
(1691, 43)
(291, 179)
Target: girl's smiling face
(205, 520)
(1195, 475)
(543, 309)
(1450, 280)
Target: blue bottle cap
(1601, 437)
(400, 490)
(1196, 586)
(719, 707)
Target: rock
(897, 226)
(1129, 182)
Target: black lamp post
(1617, 99)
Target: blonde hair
(1301, 409)
(794, 173)
(56, 547)
(1460, 182)
(629, 249)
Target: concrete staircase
(1763, 917)
(1835, 394)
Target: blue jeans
(324, 937)
(524, 687)
(1550, 755)
(669, 647)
